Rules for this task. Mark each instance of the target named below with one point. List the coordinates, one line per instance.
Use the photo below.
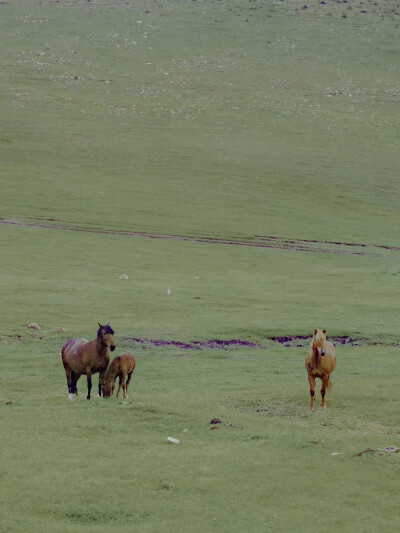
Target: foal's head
(319, 340)
(107, 388)
(105, 334)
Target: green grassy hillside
(208, 118)
(238, 161)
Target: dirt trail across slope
(257, 241)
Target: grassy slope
(72, 280)
(190, 120)
(80, 467)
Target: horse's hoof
(71, 397)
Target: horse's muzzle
(112, 348)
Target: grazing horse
(122, 366)
(320, 363)
(80, 356)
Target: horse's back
(125, 362)
(72, 350)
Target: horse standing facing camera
(80, 356)
(320, 363)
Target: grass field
(242, 156)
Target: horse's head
(106, 336)
(319, 340)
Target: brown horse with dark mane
(320, 363)
(122, 367)
(80, 356)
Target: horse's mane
(107, 328)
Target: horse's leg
(68, 376)
(120, 383)
(89, 383)
(325, 382)
(124, 388)
(127, 382)
(311, 379)
(74, 381)
(100, 380)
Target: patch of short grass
(268, 447)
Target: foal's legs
(121, 382)
(127, 382)
(124, 386)
(311, 379)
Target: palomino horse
(320, 363)
(80, 356)
(122, 366)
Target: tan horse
(122, 366)
(320, 363)
(80, 356)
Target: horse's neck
(101, 349)
(111, 373)
(314, 351)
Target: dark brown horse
(320, 363)
(80, 356)
(122, 367)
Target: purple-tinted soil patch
(159, 343)
(290, 341)
(222, 344)
(196, 345)
(301, 340)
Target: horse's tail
(330, 385)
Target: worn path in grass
(259, 241)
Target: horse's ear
(100, 325)
(324, 331)
(315, 331)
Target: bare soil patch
(195, 345)
(289, 341)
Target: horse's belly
(317, 373)
(100, 367)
